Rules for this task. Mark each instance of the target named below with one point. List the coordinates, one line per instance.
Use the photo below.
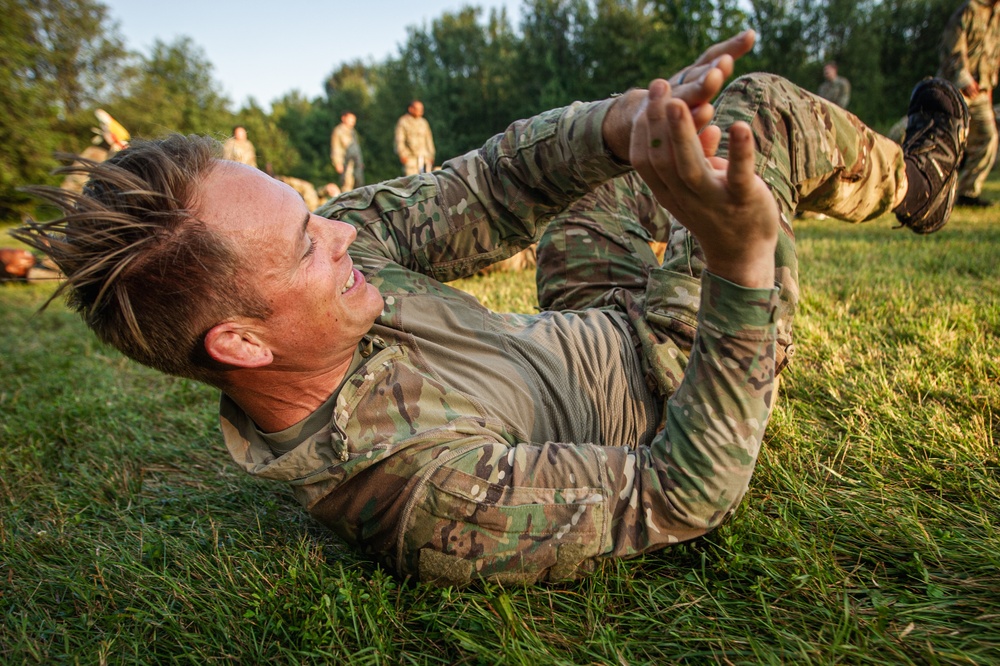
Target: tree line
(475, 72)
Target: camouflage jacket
(465, 443)
(970, 47)
(413, 139)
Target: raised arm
(488, 204)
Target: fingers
(702, 81)
(702, 115)
(710, 138)
(735, 47)
(740, 172)
(650, 151)
(646, 144)
(688, 152)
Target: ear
(235, 344)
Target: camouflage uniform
(345, 153)
(465, 443)
(239, 151)
(837, 91)
(414, 144)
(970, 53)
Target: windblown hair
(147, 276)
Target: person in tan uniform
(238, 148)
(345, 152)
(970, 58)
(414, 140)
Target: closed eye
(312, 248)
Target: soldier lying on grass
(451, 442)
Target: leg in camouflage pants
(812, 154)
(981, 150)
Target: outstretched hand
(699, 83)
(727, 207)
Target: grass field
(869, 535)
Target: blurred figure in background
(345, 152)
(238, 148)
(414, 140)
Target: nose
(341, 234)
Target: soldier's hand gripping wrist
(727, 207)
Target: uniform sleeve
(486, 205)
(553, 511)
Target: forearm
(488, 204)
(697, 470)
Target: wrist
(753, 267)
(617, 126)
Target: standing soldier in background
(345, 152)
(970, 58)
(238, 148)
(414, 141)
(835, 88)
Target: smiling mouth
(349, 283)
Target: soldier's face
(298, 262)
(350, 120)
(417, 109)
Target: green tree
(55, 60)
(694, 25)
(393, 89)
(462, 69)
(307, 124)
(351, 88)
(907, 48)
(882, 46)
(627, 44)
(84, 53)
(274, 149)
(174, 92)
(26, 138)
(550, 57)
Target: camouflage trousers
(981, 149)
(814, 156)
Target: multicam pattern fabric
(469, 444)
(970, 53)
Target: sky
(266, 49)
